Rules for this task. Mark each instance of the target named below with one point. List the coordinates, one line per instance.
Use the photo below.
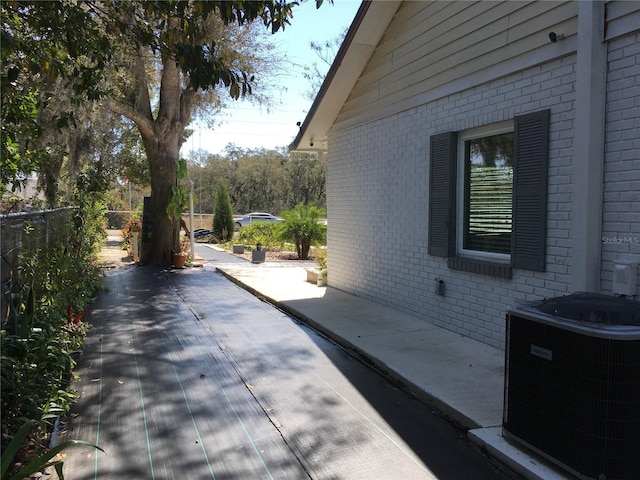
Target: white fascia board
(344, 74)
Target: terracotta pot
(179, 260)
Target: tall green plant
(223, 224)
(36, 370)
(302, 228)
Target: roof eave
(363, 36)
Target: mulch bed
(274, 256)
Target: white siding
(426, 54)
(622, 17)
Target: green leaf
(14, 445)
(182, 171)
(43, 461)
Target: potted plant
(258, 255)
(318, 275)
(131, 237)
(182, 255)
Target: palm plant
(302, 228)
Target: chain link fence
(45, 227)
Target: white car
(249, 218)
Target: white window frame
(463, 136)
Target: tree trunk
(162, 152)
(305, 250)
(162, 139)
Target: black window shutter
(442, 194)
(531, 149)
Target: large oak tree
(192, 47)
(170, 55)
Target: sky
(251, 126)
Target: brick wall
(621, 208)
(377, 201)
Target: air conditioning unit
(572, 385)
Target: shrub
(44, 324)
(302, 228)
(264, 233)
(37, 364)
(223, 225)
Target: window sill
(481, 267)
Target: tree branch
(186, 104)
(136, 102)
(142, 101)
(144, 124)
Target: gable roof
(364, 35)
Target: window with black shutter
(531, 148)
(442, 195)
(489, 215)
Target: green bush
(44, 327)
(263, 233)
(302, 228)
(37, 365)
